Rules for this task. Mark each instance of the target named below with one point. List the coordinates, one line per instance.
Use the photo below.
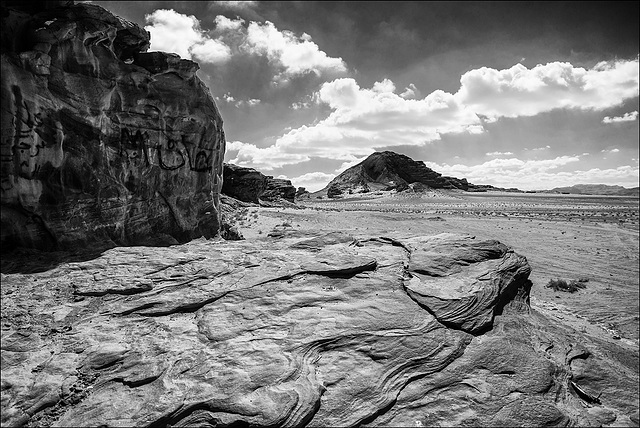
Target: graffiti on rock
(175, 152)
(32, 140)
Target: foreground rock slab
(300, 330)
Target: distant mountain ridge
(393, 171)
(595, 189)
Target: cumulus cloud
(290, 55)
(536, 174)
(519, 91)
(313, 181)
(362, 119)
(627, 117)
(410, 92)
(178, 33)
(296, 55)
(224, 24)
(498, 154)
(264, 159)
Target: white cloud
(353, 162)
(610, 151)
(537, 149)
(536, 174)
(228, 98)
(519, 91)
(363, 119)
(236, 5)
(181, 34)
(312, 181)
(290, 55)
(627, 117)
(498, 154)
(225, 24)
(296, 55)
(211, 51)
(385, 86)
(410, 92)
(262, 159)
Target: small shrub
(562, 285)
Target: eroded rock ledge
(250, 185)
(102, 142)
(304, 330)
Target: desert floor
(567, 237)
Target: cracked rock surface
(308, 329)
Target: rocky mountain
(393, 171)
(320, 329)
(250, 185)
(103, 143)
(596, 189)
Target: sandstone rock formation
(102, 143)
(325, 329)
(302, 193)
(250, 185)
(385, 170)
(392, 171)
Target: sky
(532, 95)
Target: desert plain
(213, 332)
(571, 237)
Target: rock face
(387, 170)
(250, 185)
(305, 330)
(102, 143)
(392, 171)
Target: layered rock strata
(389, 170)
(250, 185)
(102, 143)
(306, 330)
(393, 171)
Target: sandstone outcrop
(250, 185)
(393, 171)
(322, 329)
(102, 142)
(389, 170)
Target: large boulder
(320, 329)
(102, 143)
(250, 185)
